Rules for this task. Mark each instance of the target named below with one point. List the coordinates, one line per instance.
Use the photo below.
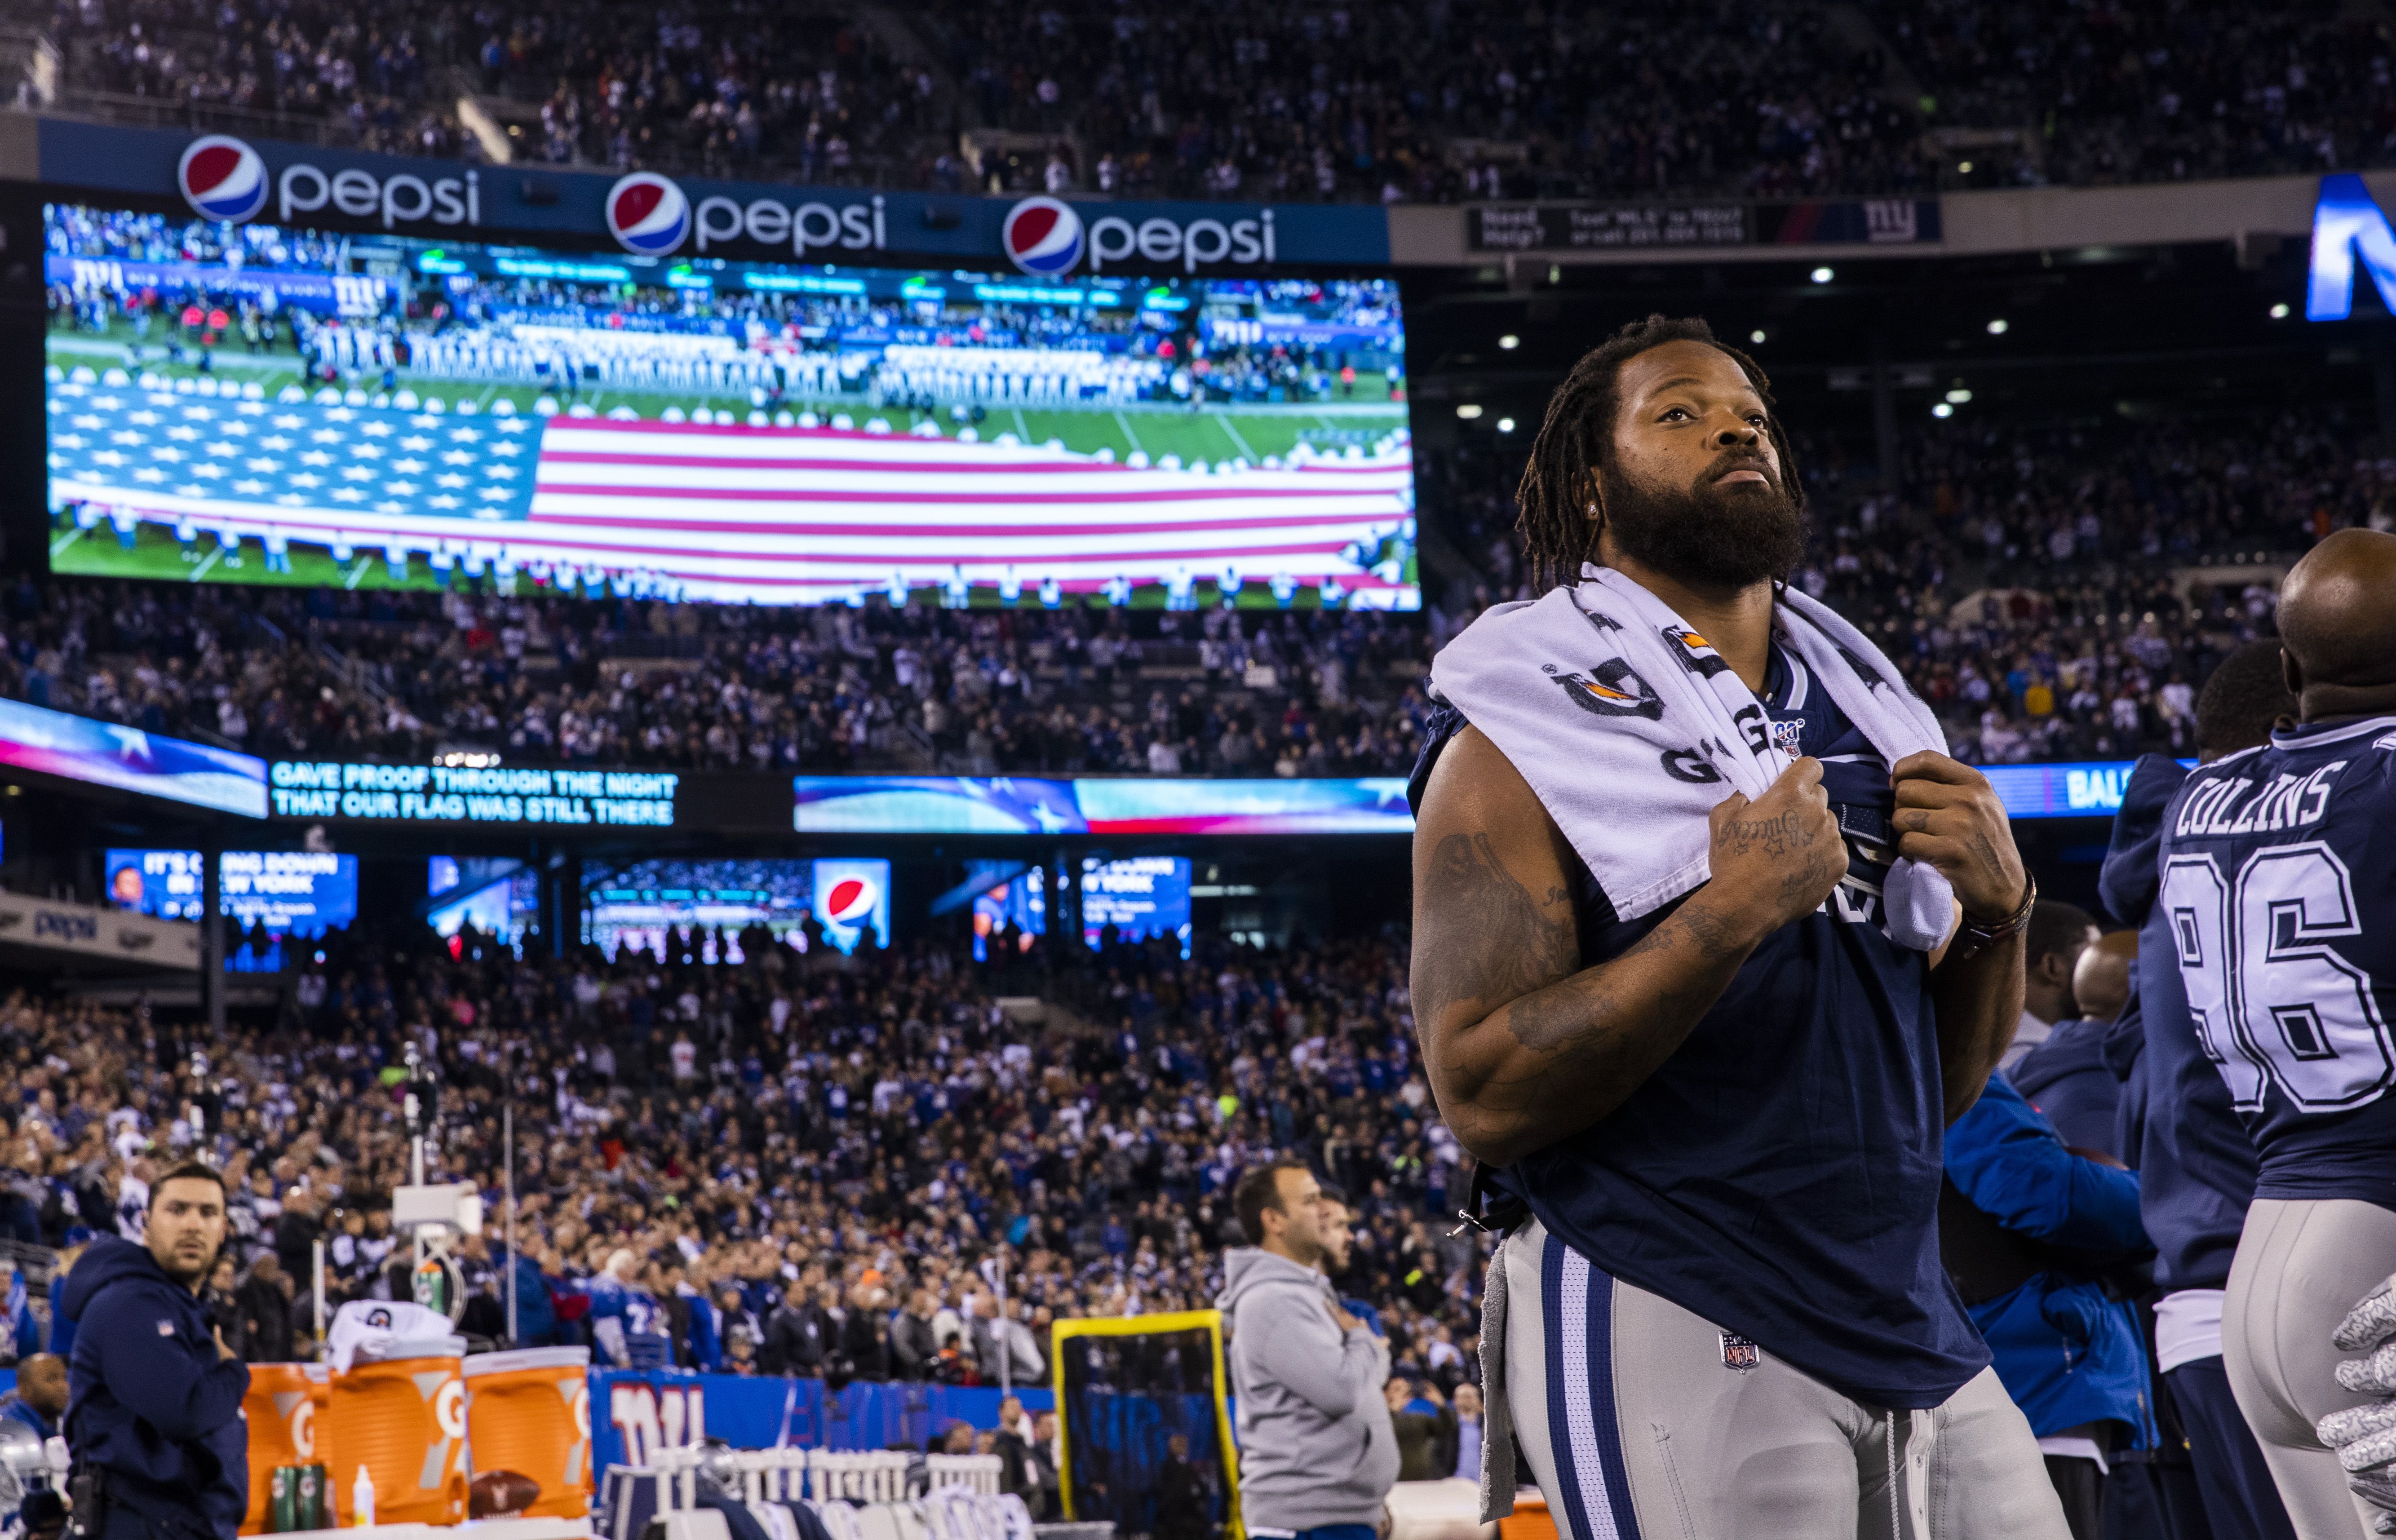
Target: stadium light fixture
(2279, 311)
(2000, 326)
(1469, 411)
(1505, 425)
(1756, 337)
(1964, 166)
(1942, 410)
(1959, 395)
(1510, 341)
(1823, 275)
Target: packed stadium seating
(800, 1132)
(1412, 102)
(2042, 620)
(400, 675)
(2054, 589)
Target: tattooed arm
(1524, 1046)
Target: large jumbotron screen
(260, 404)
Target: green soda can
(282, 1503)
(310, 1503)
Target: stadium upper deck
(1420, 101)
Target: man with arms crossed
(1317, 1454)
(1725, 1314)
(155, 1394)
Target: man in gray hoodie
(1317, 1455)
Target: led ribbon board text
(434, 793)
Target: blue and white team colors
(2279, 880)
(629, 1324)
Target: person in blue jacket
(2196, 1165)
(154, 1395)
(2022, 1228)
(627, 1322)
(535, 1314)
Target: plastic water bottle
(361, 1498)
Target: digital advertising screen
(851, 896)
(300, 893)
(107, 753)
(1130, 804)
(1141, 896)
(635, 904)
(497, 896)
(2087, 788)
(268, 404)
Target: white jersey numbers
(2269, 995)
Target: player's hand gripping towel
(1631, 728)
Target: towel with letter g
(1631, 728)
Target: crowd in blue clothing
(787, 1165)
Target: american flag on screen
(776, 514)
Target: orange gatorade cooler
(283, 1406)
(529, 1411)
(404, 1418)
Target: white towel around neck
(1631, 728)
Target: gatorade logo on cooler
(647, 215)
(851, 901)
(449, 1409)
(223, 179)
(1043, 236)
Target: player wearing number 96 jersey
(2279, 883)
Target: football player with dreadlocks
(1711, 941)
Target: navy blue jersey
(1778, 1173)
(2279, 884)
(2195, 1163)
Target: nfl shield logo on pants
(1738, 1353)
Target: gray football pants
(2300, 1270)
(1639, 1425)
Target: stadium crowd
(1431, 100)
(2045, 585)
(399, 676)
(2029, 577)
(803, 1155)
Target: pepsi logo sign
(647, 215)
(1043, 236)
(851, 901)
(223, 179)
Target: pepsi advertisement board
(37, 739)
(269, 403)
(850, 898)
(645, 215)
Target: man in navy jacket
(154, 1395)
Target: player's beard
(1708, 535)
